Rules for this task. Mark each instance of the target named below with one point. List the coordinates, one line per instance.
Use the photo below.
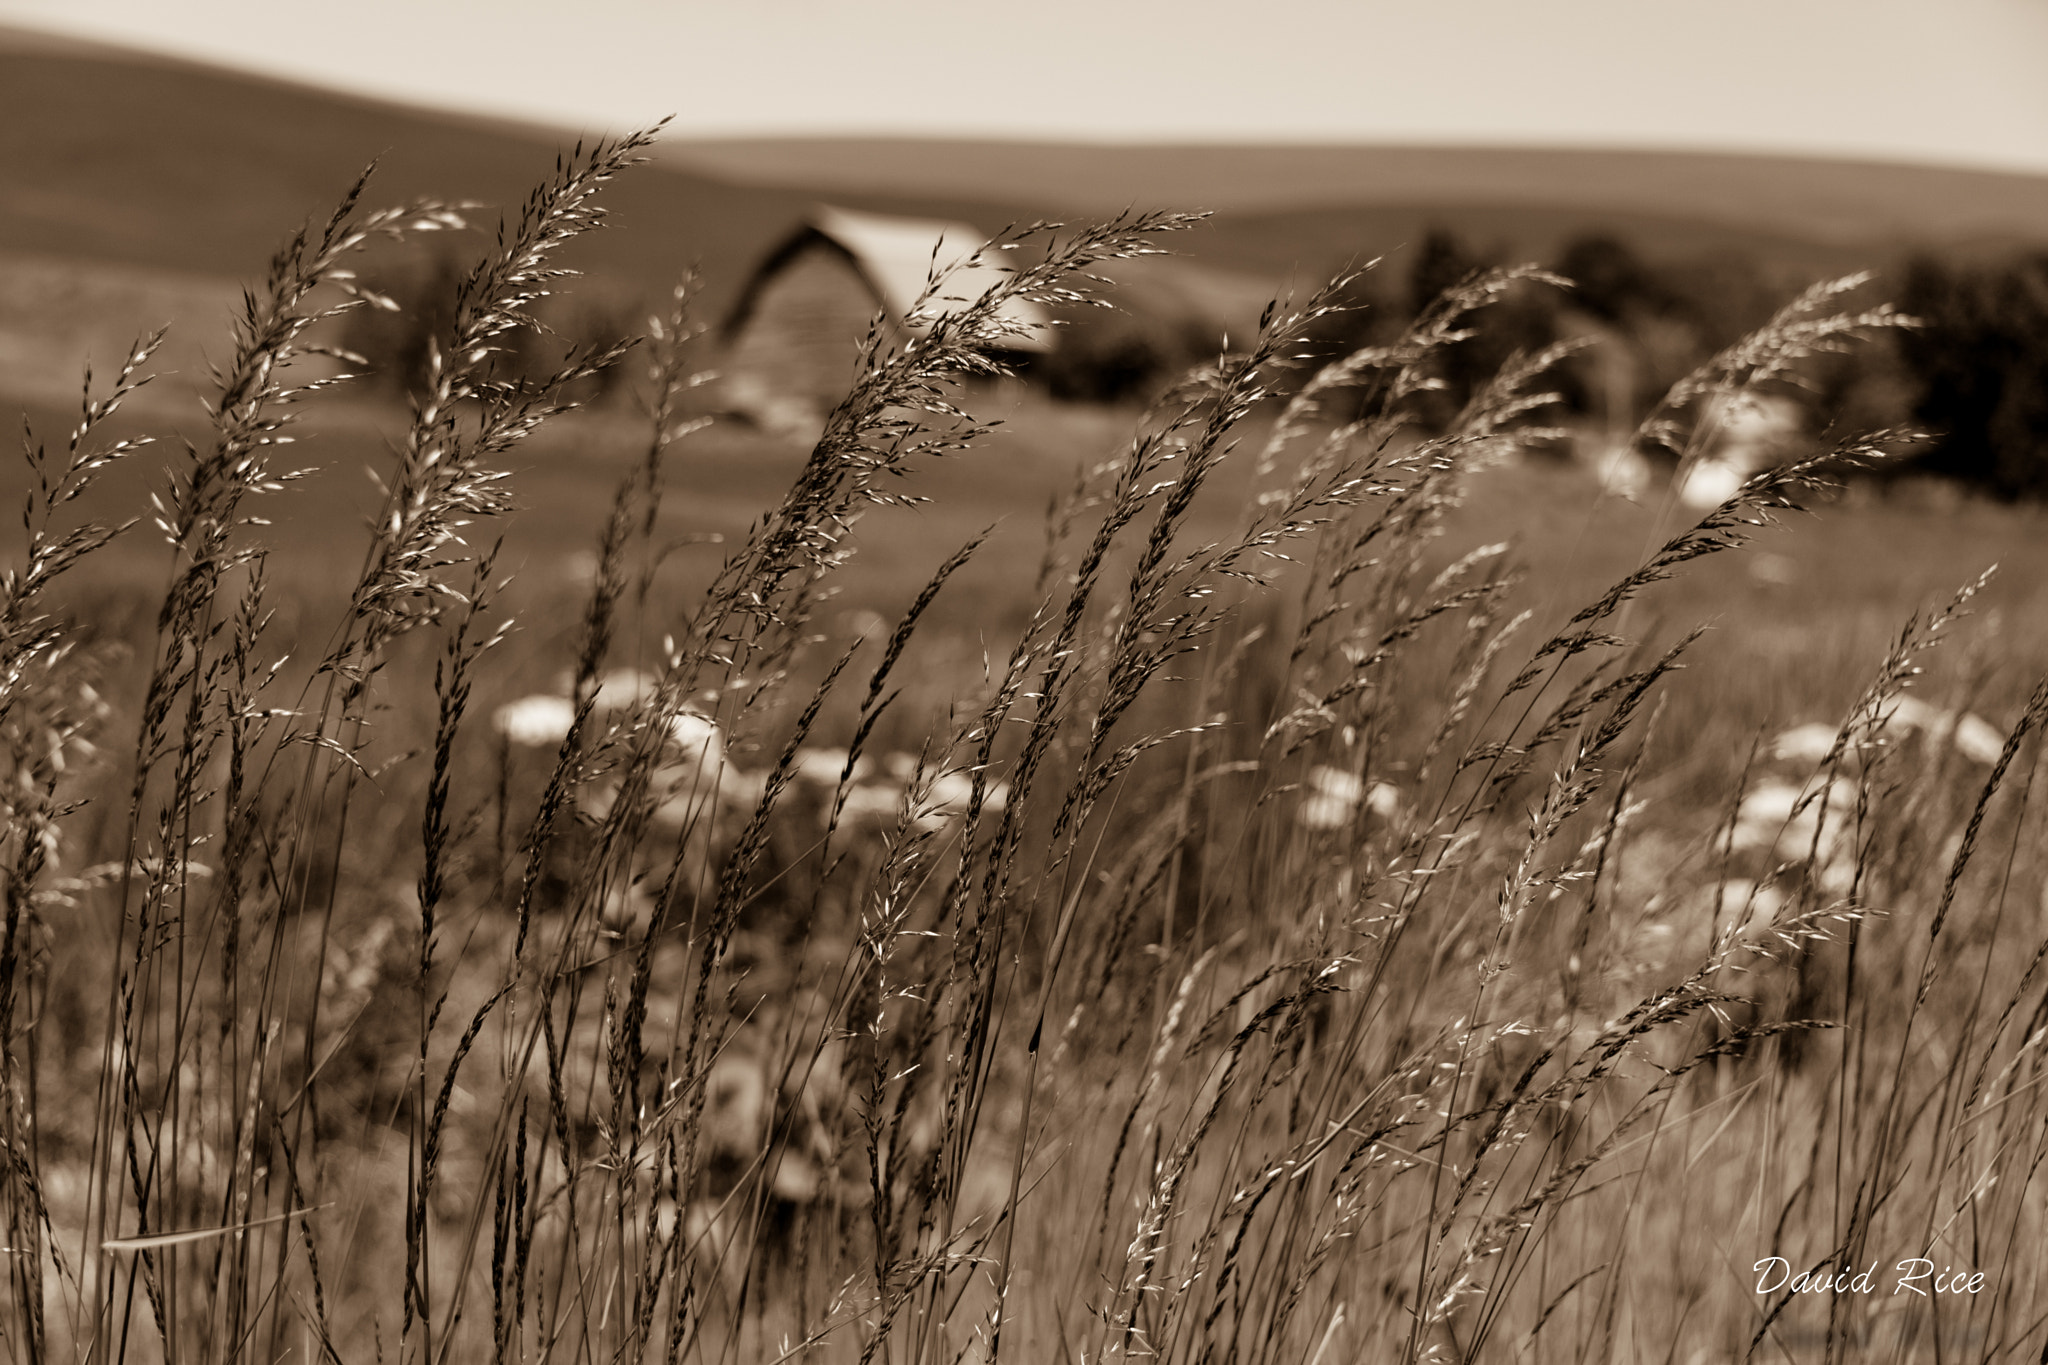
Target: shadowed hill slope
(143, 187)
(119, 157)
(1842, 203)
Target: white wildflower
(1795, 824)
(1978, 739)
(1911, 713)
(1765, 819)
(1624, 473)
(1384, 800)
(1804, 743)
(1742, 907)
(871, 803)
(697, 739)
(536, 720)
(1336, 784)
(1709, 483)
(949, 797)
(1333, 795)
(1974, 737)
(951, 793)
(825, 767)
(622, 689)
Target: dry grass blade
(1249, 959)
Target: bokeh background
(1689, 169)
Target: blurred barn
(792, 334)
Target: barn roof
(896, 257)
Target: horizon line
(19, 36)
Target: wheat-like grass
(1247, 964)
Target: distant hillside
(177, 166)
(140, 189)
(1308, 244)
(1841, 203)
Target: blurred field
(1793, 626)
(1220, 932)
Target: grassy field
(1280, 898)
(1793, 627)
(170, 179)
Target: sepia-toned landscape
(858, 749)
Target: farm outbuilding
(792, 334)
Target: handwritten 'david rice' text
(1914, 1275)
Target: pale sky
(1946, 81)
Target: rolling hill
(1840, 203)
(138, 188)
(168, 164)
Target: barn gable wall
(793, 359)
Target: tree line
(1973, 373)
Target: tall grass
(1274, 954)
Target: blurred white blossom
(1741, 906)
(1624, 473)
(1978, 740)
(1792, 823)
(947, 796)
(1709, 483)
(1334, 795)
(622, 689)
(1973, 737)
(954, 790)
(1807, 744)
(533, 721)
(825, 767)
(871, 803)
(697, 740)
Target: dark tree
(1981, 361)
(1611, 282)
(1442, 261)
(1113, 355)
(1521, 320)
(397, 343)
